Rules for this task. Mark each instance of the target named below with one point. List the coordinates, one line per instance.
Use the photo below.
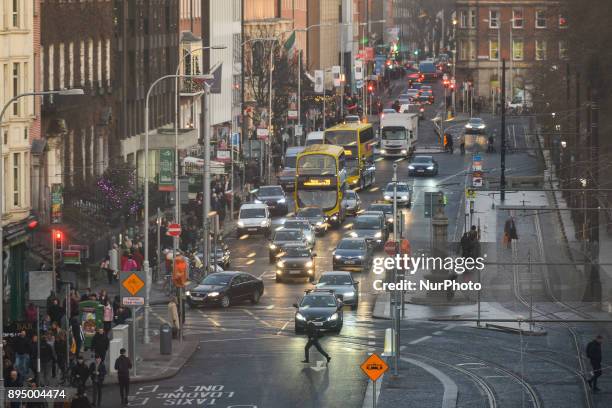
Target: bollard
(165, 339)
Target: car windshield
(290, 162)
(475, 121)
(341, 137)
(318, 301)
(270, 191)
(351, 244)
(296, 252)
(310, 212)
(401, 188)
(296, 224)
(421, 159)
(394, 134)
(217, 279)
(287, 235)
(366, 223)
(333, 279)
(252, 213)
(381, 207)
(325, 198)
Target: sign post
(132, 291)
(374, 367)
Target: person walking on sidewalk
(98, 372)
(100, 343)
(593, 352)
(173, 316)
(108, 316)
(510, 232)
(80, 373)
(313, 334)
(462, 144)
(123, 365)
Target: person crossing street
(593, 352)
(314, 334)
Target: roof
(350, 126)
(253, 205)
(335, 273)
(332, 150)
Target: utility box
(165, 339)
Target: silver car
(342, 285)
(351, 202)
(404, 196)
(304, 225)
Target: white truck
(399, 133)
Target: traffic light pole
(53, 258)
(502, 177)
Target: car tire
(238, 234)
(278, 279)
(225, 302)
(255, 297)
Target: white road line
(256, 317)
(240, 339)
(160, 318)
(283, 328)
(270, 307)
(213, 321)
(450, 326)
(402, 348)
(420, 340)
(438, 333)
(371, 343)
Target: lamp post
(66, 92)
(146, 338)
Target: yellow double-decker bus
(357, 139)
(320, 180)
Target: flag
(215, 84)
(290, 44)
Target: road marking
(438, 333)
(420, 340)
(160, 318)
(371, 343)
(256, 317)
(450, 326)
(270, 307)
(213, 321)
(319, 366)
(402, 348)
(464, 364)
(495, 376)
(449, 397)
(283, 328)
(239, 339)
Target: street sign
(477, 179)
(174, 230)
(132, 289)
(390, 247)
(262, 133)
(470, 193)
(71, 257)
(358, 70)
(336, 75)
(359, 83)
(235, 139)
(374, 367)
(298, 130)
(292, 114)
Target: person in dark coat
(55, 311)
(80, 372)
(21, 345)
(60, 353)
(314, 334)
(76, 334)
(80, 400)
(47, 361)
(97, 370)
(33, 354)
(123, 365)
(100, 343)
(510, 231)
(593, 352)
(14, 380)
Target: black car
(221, 255)
(387, 209)
(352, 254)
(320, 307)
(423, 166)
(369, 227)
(283, 236)
(225, 289)
(296, 261)
(316, 217)
(274, 197)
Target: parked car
(320, 307)
(225, 288)
(296, 261)
(343, 285)
(352, 254)
(423, 166)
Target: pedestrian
(314, 334)
(173, 316)
(55, 311)
(59, 346)
(98, 372)
(21, 346)
(77, 334)
(462, 144)
(35, 404)
(123, 365)
(80, 373)
(107, 317)
(103, 296)
(50, 299)
(466, 245)
(105, 267)
(47, 360)
(100, 343)
(14, 380)
(130, 264)
(510, 232)
(80, 400)
(593, 352)
(450, 144)
(474, 239)
(33, 356)
(86, 295)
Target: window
(517, 50)
(108, 62)
(5, 138)
(540, 50)
(99, 64)
(82, 61)
(562, 49)
(473, 50)
(493, 50)
(61, 66)
(463, 50)
(472, 18)
(16, 13)
(493, 18)
(51, 65)
(540, 19)
(71, 65)
(16, 179)
(90, 66)
(463, 17)
(15, 87)
(517, 18)
(25, 133)
(236, 48)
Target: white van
(314, 138)
(252, 219)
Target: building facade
(517, 31)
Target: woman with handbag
(173, 316)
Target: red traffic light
(32, 224)
(370, 88)
(58, 235)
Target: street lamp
(146, 338)
(63, 92)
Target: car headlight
(355, 181)
(390, 219)
(333, 317)
(319, 223)
(280, 264)
(378, 235)
(281, 201)
(383, 151)
(404, 151)
(404, 197)
(256, 201)
(411, 167)
(430, 167)
(213, 294)
(468, 126)
(360, 257)
(272, 246)
(187, 293)
(334, 217)
(481, 126)
(348, 295)
(264, 223)
(240, 224)
(354, 234)
(338, 256)
(309, 264)
(299, 316)
(387, 197)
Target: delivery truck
(399, 133)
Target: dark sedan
(316, 217)
(282, 237)
(423, 166)
(343, 285)
(369, 227)
(320, 307)
(225, 289)
(296, 261)
(352, 254)
(274, 197)
(387, 209)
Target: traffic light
(370, 88)
(58, 240)
(446, 83)
(416, 52)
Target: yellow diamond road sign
(133, 284)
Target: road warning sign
(133, 284)
(374, 367)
